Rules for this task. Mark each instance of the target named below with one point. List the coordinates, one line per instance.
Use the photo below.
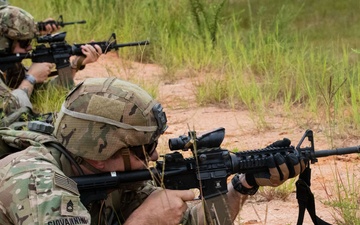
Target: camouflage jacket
(14, 75)
(11, 98)
(35, 188)
(9, 102)
(15, 104)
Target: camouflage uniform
(32, 192)
(16, 24)
(99, 117)
(35, 191)
(9, 103)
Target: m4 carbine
(54, 49)
(207, 170)
(58, 51)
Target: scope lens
(176, 143)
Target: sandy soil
(243, 133)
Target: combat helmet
(100, 116)
(15, 24)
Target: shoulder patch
(70, 205)
(66, 183)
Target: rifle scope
(51, 38)
(211, 139)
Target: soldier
(107, 124)
(17, 29)
(49, 28)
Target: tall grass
(48, 98)
(345, 201)
(254, 54)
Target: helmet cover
(100, 116)
(15, 24)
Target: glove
(281, 143)
(281, 167)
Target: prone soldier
(105, 125)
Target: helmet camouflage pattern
(103, 115)
(15, 24)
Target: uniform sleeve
(9, 102)
(129, 198)
(41, 196)
(192, 216)
(22, 98)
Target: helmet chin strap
(87, 165)
(126, 158)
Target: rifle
(207, 170)
(54, 49)
(60, 22)
(59, 52)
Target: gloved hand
(281, 167)
(280, 143)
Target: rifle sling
(306, 199)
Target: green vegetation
(281, 192)
(49, 98)
(253, 54)
(345, 201)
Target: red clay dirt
(242, 132)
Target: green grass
(281, 192)
(345, 200)
(48, 98)
(253, 53)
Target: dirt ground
(242, 132)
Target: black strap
(306, 199)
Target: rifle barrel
(337, 151)
(146, 42)
(70, 23)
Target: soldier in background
(107, 124)
(17, 30)
(49, 28)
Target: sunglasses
(25, 43)
(144, 151)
